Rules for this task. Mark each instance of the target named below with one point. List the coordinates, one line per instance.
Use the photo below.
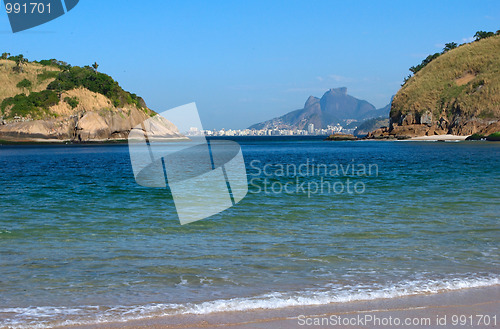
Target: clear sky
(243, 62)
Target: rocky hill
(456, 92)
(53, 101)
(334, 107)
(370, 125)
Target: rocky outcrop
(411, 125)
(341, 137)
(37, 130)
(74, 115)
(457, 93)
(370, 125)
(85, 127)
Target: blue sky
(243, 62)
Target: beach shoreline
(439, 138)
(471, 307)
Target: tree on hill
(406, 80)
(482, 35)
(25, 83)
(5, 55)
(95, 66)
(427, 60)
(54, 62)
(449, 46)
(20, 60)
(88, 78)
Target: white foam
(46, 317)
(281, 300)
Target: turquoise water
(81, 242)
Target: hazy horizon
(243, 63)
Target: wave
(48, 316)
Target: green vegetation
(72, 101)
(483, 34)
(494, 137)
(463, 82)
(101, 83)
(427, 60)
(25, 83)
(62, 77)
(47, 75)
(447, 47)
(36, 105)
(450, 93)
(13, 58)
(55, 63)
(20, 62)
(475, 137)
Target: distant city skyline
(310, 131)
(247, 62)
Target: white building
(310, 128)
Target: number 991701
(28, 8)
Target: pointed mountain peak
(334, 107)
(310, 101)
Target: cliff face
(34, 108)
(457, 93)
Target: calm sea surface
(81, 242)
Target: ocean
(323, 222)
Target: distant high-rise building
(310, 128)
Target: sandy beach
(474, 307)
(439, 138)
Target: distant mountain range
(334, 107)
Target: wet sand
(466, 308)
